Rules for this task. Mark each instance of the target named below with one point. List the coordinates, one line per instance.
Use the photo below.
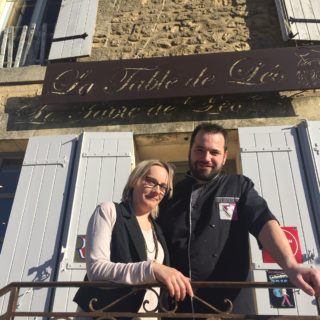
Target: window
(299, 19)
(28, 28)
(10, 167)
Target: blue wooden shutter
(270, 156)
(105, 161)
(299, 19)
(31, 245)
(74, 29)
(309, 138)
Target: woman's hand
(178, 285)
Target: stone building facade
(146, 29)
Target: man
(207, 221)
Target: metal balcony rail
(160, 311)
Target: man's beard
(203, 175)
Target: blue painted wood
(309, 136)
(299, 19)
(104, 162)
(75, 18)
(31, 245)
(271, 157)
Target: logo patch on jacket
(227, 208)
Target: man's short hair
(210, 128)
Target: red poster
(293, 238)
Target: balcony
(12, 293)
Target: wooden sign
(263, 70)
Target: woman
(124, 244)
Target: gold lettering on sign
(160, 110)
(308, 72)
(201, 79)
(214, 107)
(71, 80)
(244, 72)
(144, 79)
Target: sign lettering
(264, 70)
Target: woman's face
(150, 190)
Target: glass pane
(26, 12)
(5, 205)
(8, 182)
(11, 165)
(9, 175)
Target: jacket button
(212, 225)
(214, 255)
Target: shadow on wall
(29, 114)
(262, 21)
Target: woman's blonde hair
(139, 172)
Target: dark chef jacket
(216, 233)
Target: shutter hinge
(77, 36)
(106, 154)
(316, 148)
(309, 256)
(40, 162)
(293, 20)
(265, 149)
(76, 266)
(265, 266)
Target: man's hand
(178, 285)
(307, 279)
(275, 242)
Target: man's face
(207, 156)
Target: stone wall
(148, 28)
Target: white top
(99, 266)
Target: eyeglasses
(150, 182)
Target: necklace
(155, 242)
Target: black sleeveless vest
(127, 245)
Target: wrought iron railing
(13, 290)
